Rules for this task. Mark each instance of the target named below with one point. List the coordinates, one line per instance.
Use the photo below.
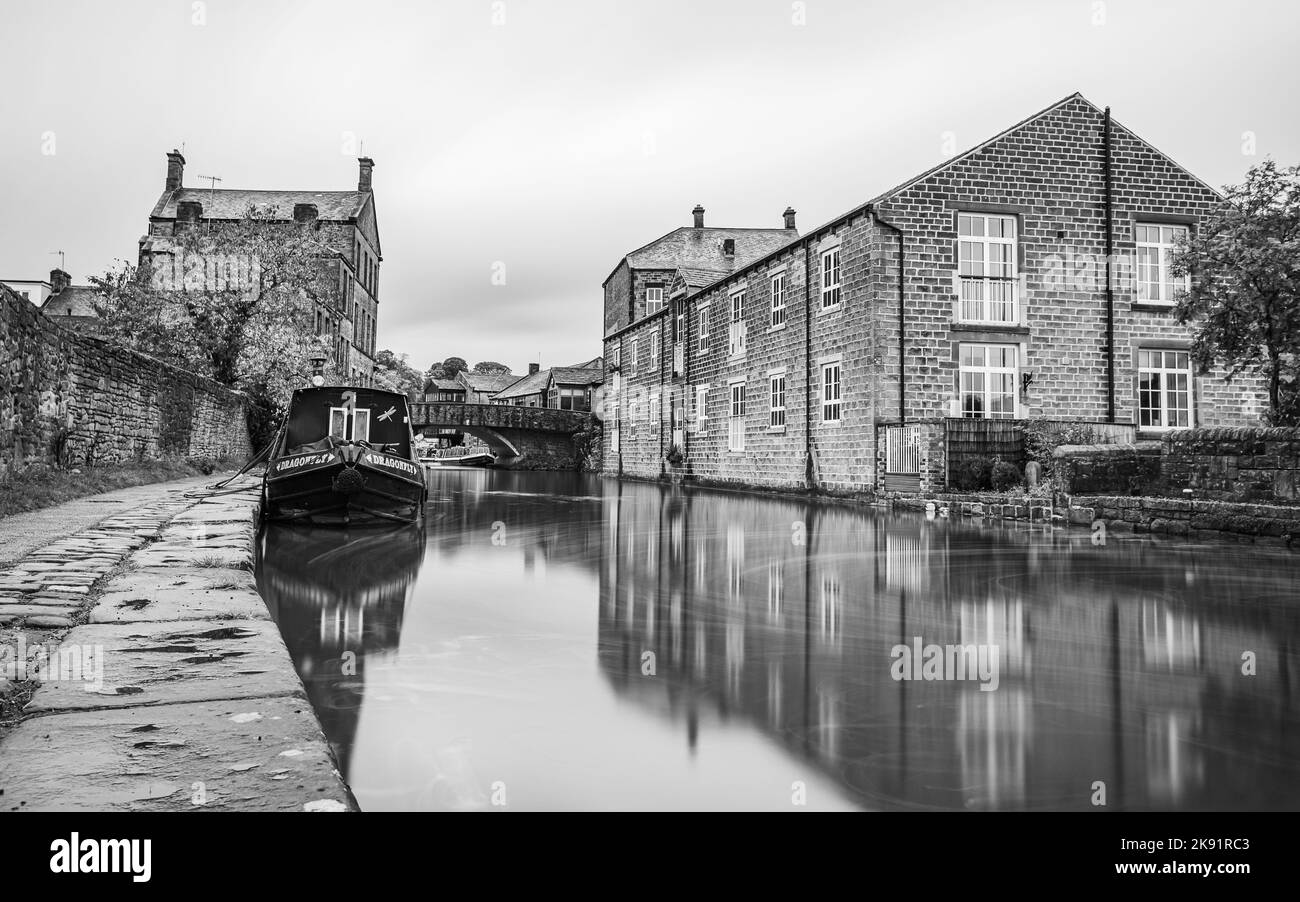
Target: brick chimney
(789, 217)
(175, 171)
(698, 212)
(367, 167)
(534, 369)
(59, 280)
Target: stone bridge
(524, 438)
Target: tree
(237, 302)
(396, 374)
(1244, 302)
(445, 370)
(491, 366)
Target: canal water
(562, 641)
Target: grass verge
(36, 488)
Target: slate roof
(531, 384)
(699, 278)
(488, 382)
(75, 300)
(577, 375)
(233, 203)
(701, 249)
(446, 385)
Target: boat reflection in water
(339, 597)
(578, 643)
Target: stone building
(345, 220)
(559, 387)
(1027, 278)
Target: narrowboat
(344, 456)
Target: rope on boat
(222, 487)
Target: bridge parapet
(530, 438)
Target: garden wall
(68, 399)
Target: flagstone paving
(173, 688)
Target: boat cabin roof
(349, 413)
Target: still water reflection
(558, 641)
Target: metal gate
(903, 450)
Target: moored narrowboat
(344, 456)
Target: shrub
(1043, 437)
(973, 474)
(1005, 475)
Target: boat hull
(343, 486)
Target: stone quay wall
(72, 400)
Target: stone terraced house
(346, 220)
(1027, 278)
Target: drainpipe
(902, 322)
(807, 368)
(1110, 291)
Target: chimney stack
(789, 217)
(367, 166)
(59, 280)
(175, 171)
(699, 216)
(534, 369)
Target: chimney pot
(789, 217)
(698, 213)
(175, 171)
(534, 369)
(367, 166)
(59, 280)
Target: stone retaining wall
(1107, 469)
(1244, 464)
(68, 399)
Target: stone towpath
(166, 685)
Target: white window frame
(831, 293)
(1163, 251)
(736, 324)
(776, 400)
(352, 418)
(737, 412)
(654, 299)
(988, 269)
(703, 328)
(654, 349)
(1163, 371)
(701, 407)
(831, 405)
(988, 372)
(634, 348)
(778, 313)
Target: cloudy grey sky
(573, 131)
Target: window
(632, 356)
(1164, 389)
(736, 421)
(654, 299)
(831, 279)
(987, 376)
(575, 399)
(654, 348)
(618, 357)
(354, 428)
(701, 406)
(987, 268)
(776, 414)
(736, 337)
(778, 301)
(831, 404)
(704, 328)
(1156, 284)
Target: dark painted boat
(344, 456)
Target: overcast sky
(566, 135)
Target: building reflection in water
(782, 614)
(338, 596)
(641, 645)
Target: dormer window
(188, 213)
(729, 246)
(304, 213)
